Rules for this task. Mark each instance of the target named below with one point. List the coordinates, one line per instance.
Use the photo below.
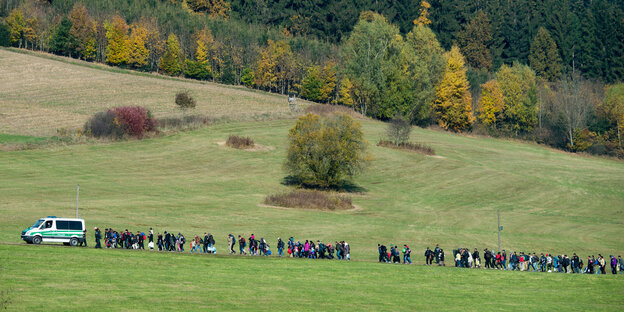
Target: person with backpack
(476, 258)
(280, 247)
(241, 244)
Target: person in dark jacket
(205, 243)
(280, 247)
(487, 257)
(141, 240)
(436, 253)
(98, 237)
(241, 245)
(441, 257)
(428, 256)
(160, 242)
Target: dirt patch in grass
(310, 199)
(409, 146)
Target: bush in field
(184, 100)
(399, 130)
(136, 119)
(239, 142)
(104, 125)
(114, 123)
(326, 152)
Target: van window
(62, 225)
(38, 223)
(48, 224)
(75, 225)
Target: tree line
(478, 77)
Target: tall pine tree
(544, 58)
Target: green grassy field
(75, 279)
(550, 201)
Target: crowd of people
(206, 244)
(463, 257)
(544, 262)
(513, 261)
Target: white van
(59, 230)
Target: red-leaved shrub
(136, 119)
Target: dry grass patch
(239, 142)
(326, 110)
(310, 199)
(39, 95)
(414, 147)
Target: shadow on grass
(346, 186)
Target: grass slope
(550, 201)
(120, 280)
(40, 93)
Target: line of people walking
(206, 244)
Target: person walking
(280, 247)
(441, 257)
(98, 237)
(407, 255)
(428, 256)
(150, 238)
(160, 242)
(141, 237)
(84, 238)
(614, 264)
(241, 245)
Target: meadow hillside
(550, 201)
(40, 93)
(188, 182)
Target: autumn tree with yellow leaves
(490, 104)
(117, 37)
(453, 104)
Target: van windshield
(38, 223)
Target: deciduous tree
(171, 62)
(326, 152)
(117, 37)
(490, 104)
(83, 28)
(519, 89)
(453, 103)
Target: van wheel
(36, 240)
(73, 242)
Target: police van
(58, 230)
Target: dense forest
(543, 70)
